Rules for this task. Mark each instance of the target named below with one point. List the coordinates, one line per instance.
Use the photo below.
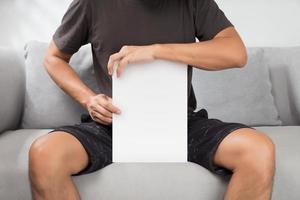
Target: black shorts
(204, 136)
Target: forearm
(216, 54)
(67, 79)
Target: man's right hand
(100, 108)
(57, 65)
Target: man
(126, 31)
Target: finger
(106, 102)
(123, 63)
(113, 106)
(110, 64)
(101, 117)
(110, 101)
(100, 121)
(105, 112)
(96, 119)
(109, 106)
(112, 60)
(98, 108)
(95, 106)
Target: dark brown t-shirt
(110, 24)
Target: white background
(260, 22)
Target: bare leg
(250, 154)
(53, 158)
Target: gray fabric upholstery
(287, 175)
(161, 181)
(238, 95)
(12, 88)
(62, 110)
(46, 105)
(284, 65)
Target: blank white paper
(153, 124)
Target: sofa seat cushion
(287, 178)
(161, 181)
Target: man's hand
(130, 54)
(100, 108)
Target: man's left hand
(130, 54)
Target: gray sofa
(265, 94)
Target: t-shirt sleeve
(73, 32)
(209, 19)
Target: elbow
(46, 62)
(241, 59)
(49, 61)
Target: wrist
(87, 98)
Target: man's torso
(115, 23)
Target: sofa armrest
(12, 88)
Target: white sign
(153, 124)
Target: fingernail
(119, 112)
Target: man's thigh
(204, 136)
(62, 149)
(96, 139)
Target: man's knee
(45, 161)
(257, 155)
(247, 149)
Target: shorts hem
(88, 168)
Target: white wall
(260, 22)
(24, 20)
(265, 22)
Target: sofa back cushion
(238, 94)
(284, 66)
(12, 88)
(46, 105)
